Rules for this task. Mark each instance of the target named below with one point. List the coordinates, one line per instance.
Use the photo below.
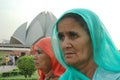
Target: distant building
(19, 35)
(41, 26)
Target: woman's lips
(69, 54)
(36, 63)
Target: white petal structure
(41, 26)
(19, 35)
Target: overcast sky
(13, 13)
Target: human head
(42, 60)
(75, 43)
(103, 47)
(45, 46)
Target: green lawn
(3, 53)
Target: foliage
(14, 72)
(2, 54)
(26, 65)
(1, 58)
(12, 76)
(2, 62)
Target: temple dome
(41, 26)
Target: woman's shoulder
(102, 74)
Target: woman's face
(75, 43)
(42, 60)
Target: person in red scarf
(47, 65)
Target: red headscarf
(46, 46)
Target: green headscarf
(106, 54)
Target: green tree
(26, 65)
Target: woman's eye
(38, 52)
(73, 35)
(60, 36)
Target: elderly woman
(45, 61)
(83, 46)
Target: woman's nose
(66, 43)
(35, 56)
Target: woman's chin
(37, 67)
(69, 62)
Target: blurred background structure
(26, 35)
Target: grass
(3, 53)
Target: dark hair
(77, 18)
